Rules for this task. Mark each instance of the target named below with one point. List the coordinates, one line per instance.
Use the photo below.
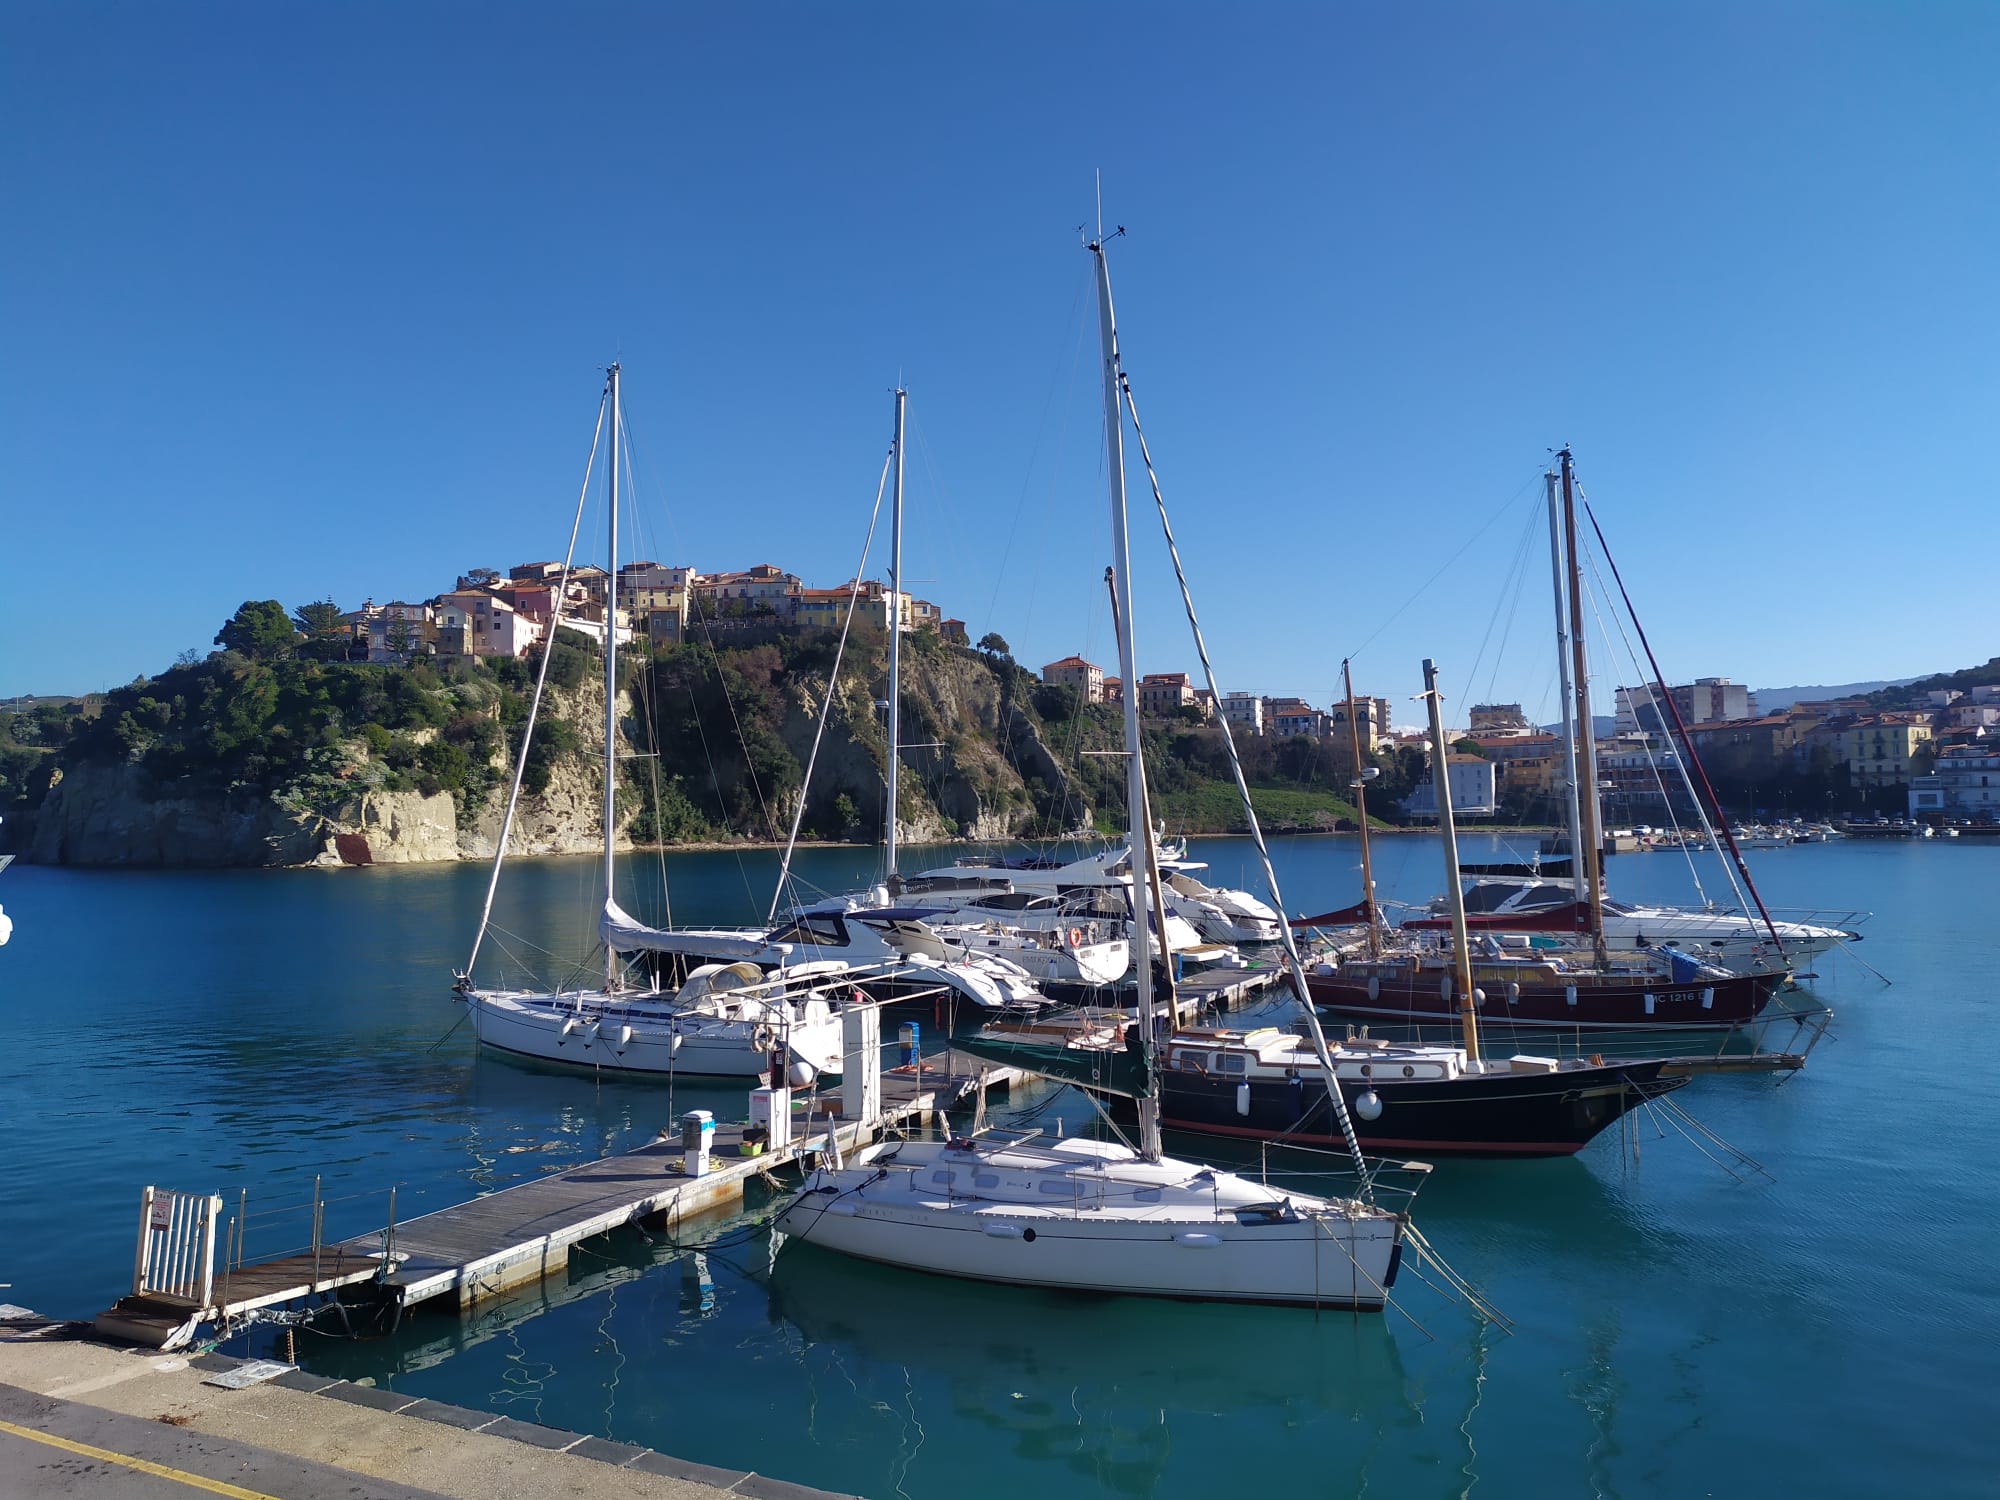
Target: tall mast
(1591, 869)
(895, 653)
(1135, 767)
(611, 672)
(1461, 940)
(1359, 785)
(1557, 576)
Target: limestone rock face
(963, 741)
(392, 828)
(117, 815)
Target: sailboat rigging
(1085, 1214)
(1577, 901)
(726, 1017)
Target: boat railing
(1395, 1180)
(1821, 916)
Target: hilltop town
(1938, 758)
(389, 729)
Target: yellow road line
(144, 1466)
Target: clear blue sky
(303, 301)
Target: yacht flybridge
(979, 885)
(892, 953)
(1094, 1216)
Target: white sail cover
(623, 933)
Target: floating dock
(518, 1234)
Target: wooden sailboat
(1088, 1215)
(1439, 1100)
(1612, 985)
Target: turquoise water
(1829, 1330)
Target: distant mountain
(1770, 700)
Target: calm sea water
(1828, 1330)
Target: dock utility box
(771, 1112)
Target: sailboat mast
(895, 655)
(1588, 809)
(1360, 815)
(1461, 939)
(1557, 575)
(611, 672)
(1141, 839)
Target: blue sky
(305, 301)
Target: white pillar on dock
(861, 1065)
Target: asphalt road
(50, 1447)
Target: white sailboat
(1087, 1215)
(726, 1018)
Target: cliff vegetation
(277, 748)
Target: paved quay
(88, 1419)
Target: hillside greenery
(281, 709)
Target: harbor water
(1684, 1325)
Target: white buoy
(1368, 1105)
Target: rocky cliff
(236, 761)
(119, 813)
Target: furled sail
(623, 933)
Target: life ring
(1076, 937)
(763, 1037)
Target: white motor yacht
(890, 951)
(979, 882)
(1218, 913)
(1737, 942)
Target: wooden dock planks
(523, 1233)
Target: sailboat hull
(1496, 1114)
(613, 1038)
(1420, 994)
(1089, 1235)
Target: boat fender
(567, 1027)
(1513, 991)
(1368, 1105)
(624, 1037)
(801, 1073)
(1445, 986)
(1374, 989)
(1478, 997)
(1004, 1231)
(1243, 1098)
